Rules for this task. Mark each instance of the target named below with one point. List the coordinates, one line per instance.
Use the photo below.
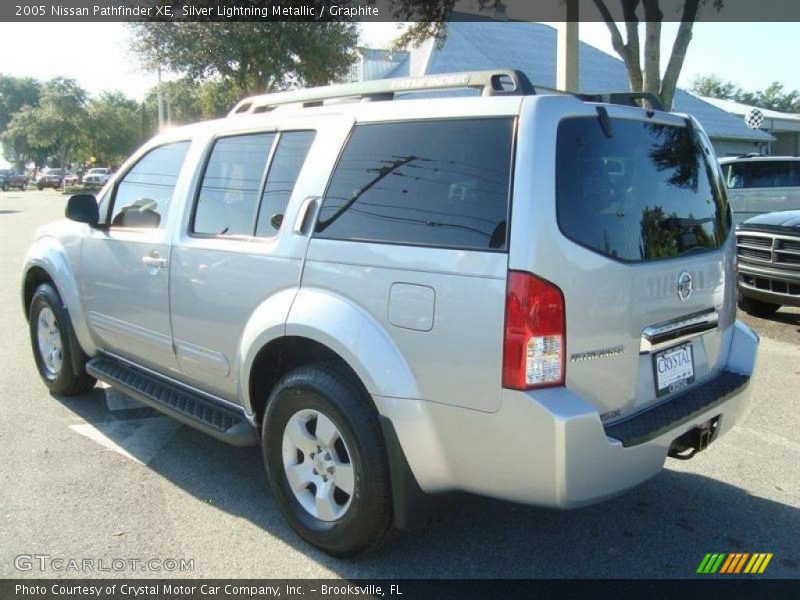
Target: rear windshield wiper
(605, 122)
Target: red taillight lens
(535, 335)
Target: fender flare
(338, 324)
(352, 333)
(266, 323)
(48, 254)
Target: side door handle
(154, 261)
(305, 216)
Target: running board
(217, 420)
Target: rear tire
(5, 186)
(39, 187)
(51, 335)
(319, 420)
(757, 308)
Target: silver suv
(519, 295)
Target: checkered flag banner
(754, 118)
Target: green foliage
(187, 101)
(254, 57)
(714, 86)
(113, 129)
(15, 93)
(773, 97)
(56, 124)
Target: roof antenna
(605, 122)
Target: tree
(58, 123)
(773, 97)
(15, 93)
(649, 79)
(714, 86)
(255, 57)
(645, 77)
(113, 130)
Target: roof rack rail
(624, 98)
(502, 82)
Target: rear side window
(432, 183)
(770, 173)
(646, 192)
(289, 157)
(143, 195)
(228, 197)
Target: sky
(752, 55)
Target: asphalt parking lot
(102, 477)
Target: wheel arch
(319, 325)
(47, 262)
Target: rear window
(428, 183)
(646, 192)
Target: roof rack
(503, 82)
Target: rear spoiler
(625, 99)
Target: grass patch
(82, 188)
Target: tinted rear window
(432, 183)
(644, 193)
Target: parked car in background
(72, 178)
(12, 180)
(97, 176)
(761, 184)
(768, 247)
(49, 178)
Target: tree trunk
(652, 47)
(628, 51)
(682, 39)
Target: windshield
(637, 190)
(97, 171)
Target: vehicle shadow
(661, 529)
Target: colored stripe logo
(733, 563)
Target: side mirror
(83, 209)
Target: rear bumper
(548, 447)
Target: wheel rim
(50, 344)
(318, 465)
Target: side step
(222, 422)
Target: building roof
(776, 120)
(531, 48)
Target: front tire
(326, 460)
(51, 332)
(757, 308)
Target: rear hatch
(630, 220)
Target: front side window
(228, 196)
(735, 175)
(143, 195)
(429, 183)
(637, 191)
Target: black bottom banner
(401, 589)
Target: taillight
(535, 335)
